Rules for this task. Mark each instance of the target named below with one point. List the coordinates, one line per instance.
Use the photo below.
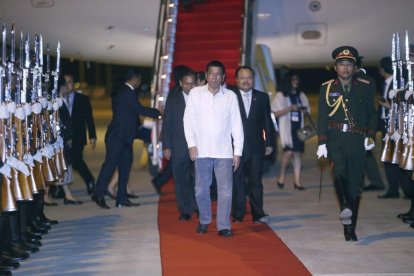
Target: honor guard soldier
(346, 127)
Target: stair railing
(163, 59)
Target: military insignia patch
(334, 94)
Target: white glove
(322, 151)
(369, 144)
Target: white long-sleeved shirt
(211, 121)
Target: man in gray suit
(176, 148)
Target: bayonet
(399, 63)
(408, 62)
(12, 35)
(394, 64)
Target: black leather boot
(12, 250)
(4, 264)
(40, 208)
(346, 211)
(35, 212)
(21, 240)
(355, 209)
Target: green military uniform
(346, 149)
(346, 116)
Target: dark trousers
(394, 176)
(184, 182)
(248, 181)
(118, 154)
(79, 164)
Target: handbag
(308, 130)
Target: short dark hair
(216, 63)
(386, 64)
(130, 74)
(178, 72)
(188, 72)
(244, 67)
(201, 76)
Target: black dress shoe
(100, 201)
(13, 265)
(111, 195)
(389, 195)
(72, 202)
(262, 220)
(127, 204)
(225, 233)
(349, 233)
(372, 188)
(185, 217)
(280, 185)
(5, 271)
(51, 204)
(412, 225)
(202, 228)
(132, 195)
(404, 215)
(408, 219)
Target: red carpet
(253, 250)
(210, 30)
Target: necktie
(69, 104)
(246, 102)
(346, 89)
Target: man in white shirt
(214, 133)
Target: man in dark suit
(80, 111)
(176, 148)
(258, 141)
(119, 139)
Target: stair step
(207, 45)
(200, 36)
(207, 17)
(217, 6)
(211, 26)
(200, 65)
(215, 54)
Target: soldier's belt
(347, 128)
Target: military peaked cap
(345, 52)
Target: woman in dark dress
(289, 107)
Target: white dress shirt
(212, 121)
(69, 101)
(247, 100)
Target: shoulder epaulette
(329, 81)
(364, 81)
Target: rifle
(22, 169)
(387, 152)
(57, 103)
(36, 124)
(26, 155)
(43, 122)
(8, 202)
(11, 106)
